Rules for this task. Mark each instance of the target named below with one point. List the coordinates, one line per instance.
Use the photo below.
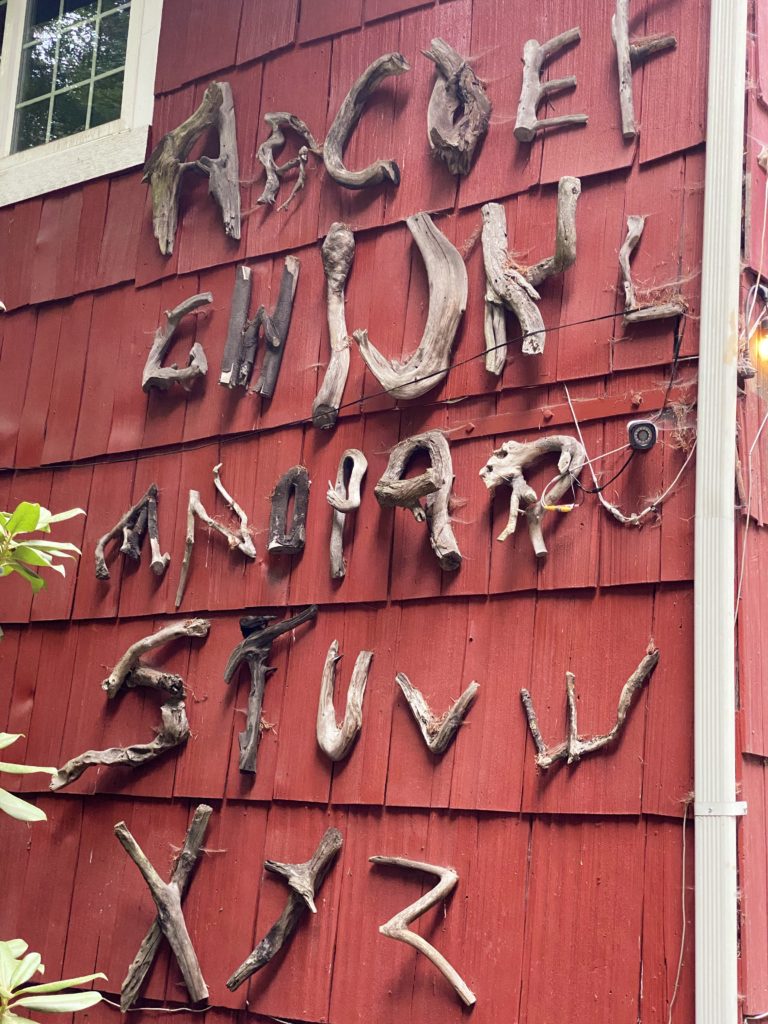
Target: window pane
(70, 112)
(83, 8)
(113, 38)
(37, 64)
(107, 99)
(73, 62)
(76, 54)
(42, 11)
(31, 125)
(3, 7)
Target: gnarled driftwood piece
(534, 92)
(168, 163)
(345, 123)
(232, 362)
(628, 56)
(507, 465)
(304, 881)
(635, 312)
(515, 286)
(289, 540)
(438, 730)
(130, 663)
(338, 253)
(170, 917)
(162, 377)
(274, 171)
(139, 519)
(174, 730)
(434, 485)
(180, 877)
(397, 927)
(459, 110)
(239, 539)
(344, 497)
(333, 739)
(447, 279)
(275, 327)
(254, 651)
(574, 747)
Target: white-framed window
(76, 90)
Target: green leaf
(28, 966)
(24, 769)
(9, 1017)
(20, 809)
(24, 518)
(46, 518)
(55, 547)
(18, 947)
(7, 738)
(68, 1003)
(25, 553)
(57, 986)
(8, 965)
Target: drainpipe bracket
(710, 809)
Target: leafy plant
(20, 809)
(25, 555)
(16, 969)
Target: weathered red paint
(568, 904)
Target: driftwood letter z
(397, 928)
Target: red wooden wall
(569, 900)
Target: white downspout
(714, 680)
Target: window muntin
(72, 69)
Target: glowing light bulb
(761, 341)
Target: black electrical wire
(616, 475)
(678, 335)
(190, 446)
